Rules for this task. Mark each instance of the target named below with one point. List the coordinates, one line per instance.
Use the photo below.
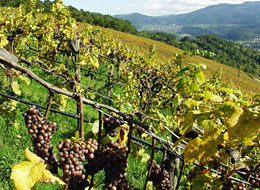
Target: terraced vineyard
(230, 75)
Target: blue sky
(147, 7)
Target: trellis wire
(133, 138)
(94, 105)
(42, 107)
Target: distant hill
(231, 21)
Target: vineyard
(81, 110)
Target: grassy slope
(230, 75)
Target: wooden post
(173, 166)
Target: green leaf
(199, 76)
(183, 82)
(226, 107)
(182, 72)
(25, 79)
(116, 137)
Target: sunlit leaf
(244, 125)
(199, 76)
(190, 103)
(191, 151)
(234, 117)
(48, 177)
(32, 157)
(16, 88)
(27, 173)
(95, 127)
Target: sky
(146, 7)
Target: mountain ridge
(221, 20)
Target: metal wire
(43, 107)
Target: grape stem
(49, 104)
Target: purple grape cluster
(71, 158)
(112, 159)
(41, 131)
(121, 184)
(160, 178)
(110, 126)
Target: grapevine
(219, 125)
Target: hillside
(165, 52)
(223, 20)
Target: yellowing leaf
(3, 40)
(16, 88)
(244, 127)
(213, 98)
(189, 119)
(191, 151)
(94, 62)
(190, 103)
(95, 127)
(32, 157)
(124, 130)
(47, 177)
(233, 119)
(209, 145)
(26, 174)
(145, 157)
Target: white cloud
(132, 5)
(164, 7)
(118, 9)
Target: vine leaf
(245, 125)
(189, 119)
(233, 119)
(31, 157)
(25, 79)
(95, 127)
(27, 173)
(191, 151)
(199, 76)
(16, 89)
